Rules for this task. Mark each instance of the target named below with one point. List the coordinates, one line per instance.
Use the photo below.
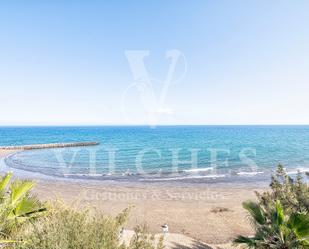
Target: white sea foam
(198, 169)
(249, 173)
(295, 171)
(83, 175)
(182, 178)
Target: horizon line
(143, 125)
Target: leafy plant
(17, 206)
(276, 229)
(280, 218)
(293, 194)
(23, 225)
(66, 228)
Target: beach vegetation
(18, 207)
(64, 228)
(292, 193)
(143, 240)
(280, 218)
(275, 229)
(27, 223)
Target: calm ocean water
(166, 153)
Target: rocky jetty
(48, 146)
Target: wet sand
(209, 213)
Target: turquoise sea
(164, 153)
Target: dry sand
(195, 214)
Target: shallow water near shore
(191, 154)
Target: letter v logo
(153, 105)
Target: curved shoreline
(158, 203)
(185, 176)
(130, 180)
(48, 146)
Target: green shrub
(293, 194)
(280, 218)
(17, 207)
(66, 228)
(142, 239)
(275, 229)
(24, 218)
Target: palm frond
(255, 211)
(4, 182)
(250, 242)
(19, 189)
(299, 223)
(279, 216)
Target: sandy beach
(190, 114)
(209, 213)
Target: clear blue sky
(65, 63)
